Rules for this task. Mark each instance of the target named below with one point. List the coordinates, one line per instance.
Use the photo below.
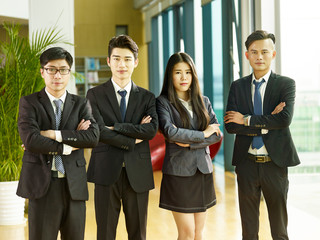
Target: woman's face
(182, 78)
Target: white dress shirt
(117, 88)
(262, 89)
(67, 149)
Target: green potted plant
(19, 76)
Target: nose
(183, 76)
(57, 75)
(122, 63)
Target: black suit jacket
(35, 114)
(278, 140)
(118, 145)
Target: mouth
(122, 71)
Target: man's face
(56, 83)
(122, 64)
(260, 55)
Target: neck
(183, 95)
(260, 74)
(56, 94)
(121, 82)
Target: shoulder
(284, 79)
(162, 99)
(34, 97)
(142, 90)
(77, 99)
(242, 81)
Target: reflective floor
(223, 221)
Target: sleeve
(214, 138)
(108, 136)
(141, 131)
(232, 105)
(83, 138)
(170, 131)
(283, 119)
(29, 130)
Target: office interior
(212, 32)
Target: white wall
(14, 8)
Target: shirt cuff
(67, 149)
(58, 136)
(264, 131)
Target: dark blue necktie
(257, 142)
(123, 106)
(58, 158)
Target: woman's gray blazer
(184, 161)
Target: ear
(42, 72)
(247, 54)
(136, 62)
(274, 53)
(108, 61)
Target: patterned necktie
(257, 142)
(123, 106)
(58, 158)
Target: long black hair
(196, 99)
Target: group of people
(118, 118)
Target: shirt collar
(63, 97)
(117, 88)
(265, 77)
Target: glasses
(53, 71)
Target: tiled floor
(223, 221)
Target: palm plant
(19, 76)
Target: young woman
(189, 125)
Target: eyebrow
(178, 69)
(53, 66)
(120, 56)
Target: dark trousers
(108, 205)
(55, 212)
(273, 181)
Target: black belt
(259, 159)
(54, 174)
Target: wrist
(246, 120)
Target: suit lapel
(67, 109)
(267, 94)
(112, 98)
(132, 103)
(248, 92)
(45, 101)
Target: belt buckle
(260, 159)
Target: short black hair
(55, 53)
(123, 41)
(259, 35)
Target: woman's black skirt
(187, 194)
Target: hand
(49, 134)
(211, 129)
(183, 144)
(279, 108)
(74, 148)
(83, 125)
(110, 128)
(22, 145)
(138, 141)
(233, 116)
(146, 119)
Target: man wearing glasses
(55, 126)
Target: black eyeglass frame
(58, 70)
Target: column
(44, 14)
